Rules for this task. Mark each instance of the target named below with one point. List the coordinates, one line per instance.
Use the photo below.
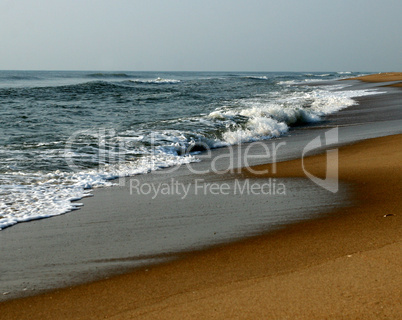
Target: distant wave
(18, 77)
(257, 77)
(107, 75)
(318, 75)
(95, 84)
(77, 88)
(156, 81)
(84, 86)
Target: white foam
(298, 82)
(258, 128)
(257, 77)
(156, 81)
(45, 195)
(265, 117)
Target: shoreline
(350, 251)
(234, 268)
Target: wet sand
(344, 265)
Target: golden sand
(382, 77)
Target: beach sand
(345, 265)
(382, 77)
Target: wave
(90, 86)
(257, 77)
(300, 82)
(18, 77)
(261, 118)
(87, 86)
(155, 81)
(107, 75)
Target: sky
(201, 35)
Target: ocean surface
(65, 133)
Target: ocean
(64, 133)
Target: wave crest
(155, 81)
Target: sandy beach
(382, 77)
(345, 264)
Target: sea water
(65, 133)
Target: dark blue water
(63, 133)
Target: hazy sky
(201, 35)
